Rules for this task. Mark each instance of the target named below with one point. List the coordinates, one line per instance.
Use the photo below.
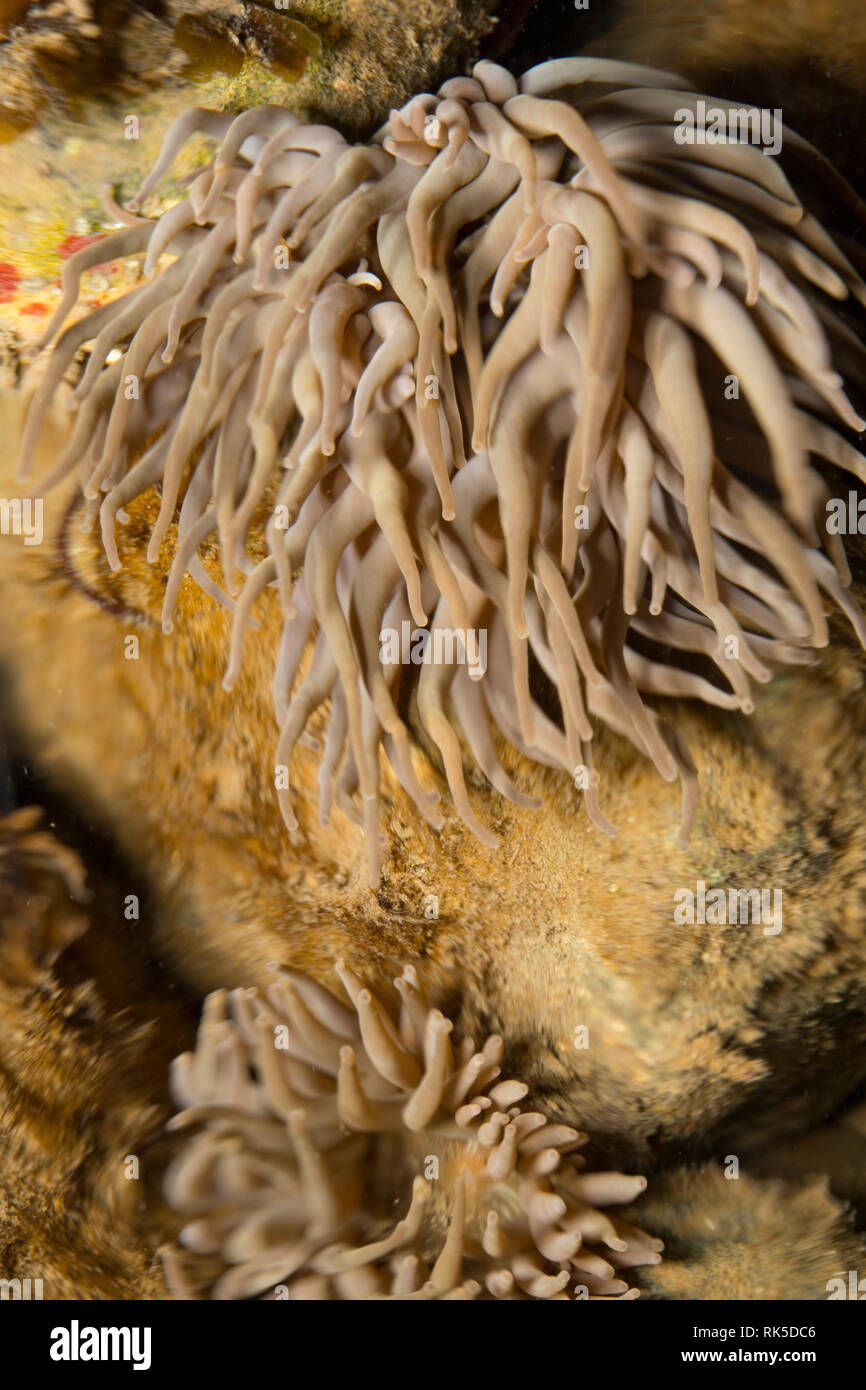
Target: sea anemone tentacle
(479, 369)
(302, 1116)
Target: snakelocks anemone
(342, 1152)
(524, 366)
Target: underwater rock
(84, 103)
(87, 1033)
(662, 1036)
(746, 1238)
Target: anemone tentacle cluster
(309, 1111)
(472, 376)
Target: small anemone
(477, 375)
(319, 1122)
